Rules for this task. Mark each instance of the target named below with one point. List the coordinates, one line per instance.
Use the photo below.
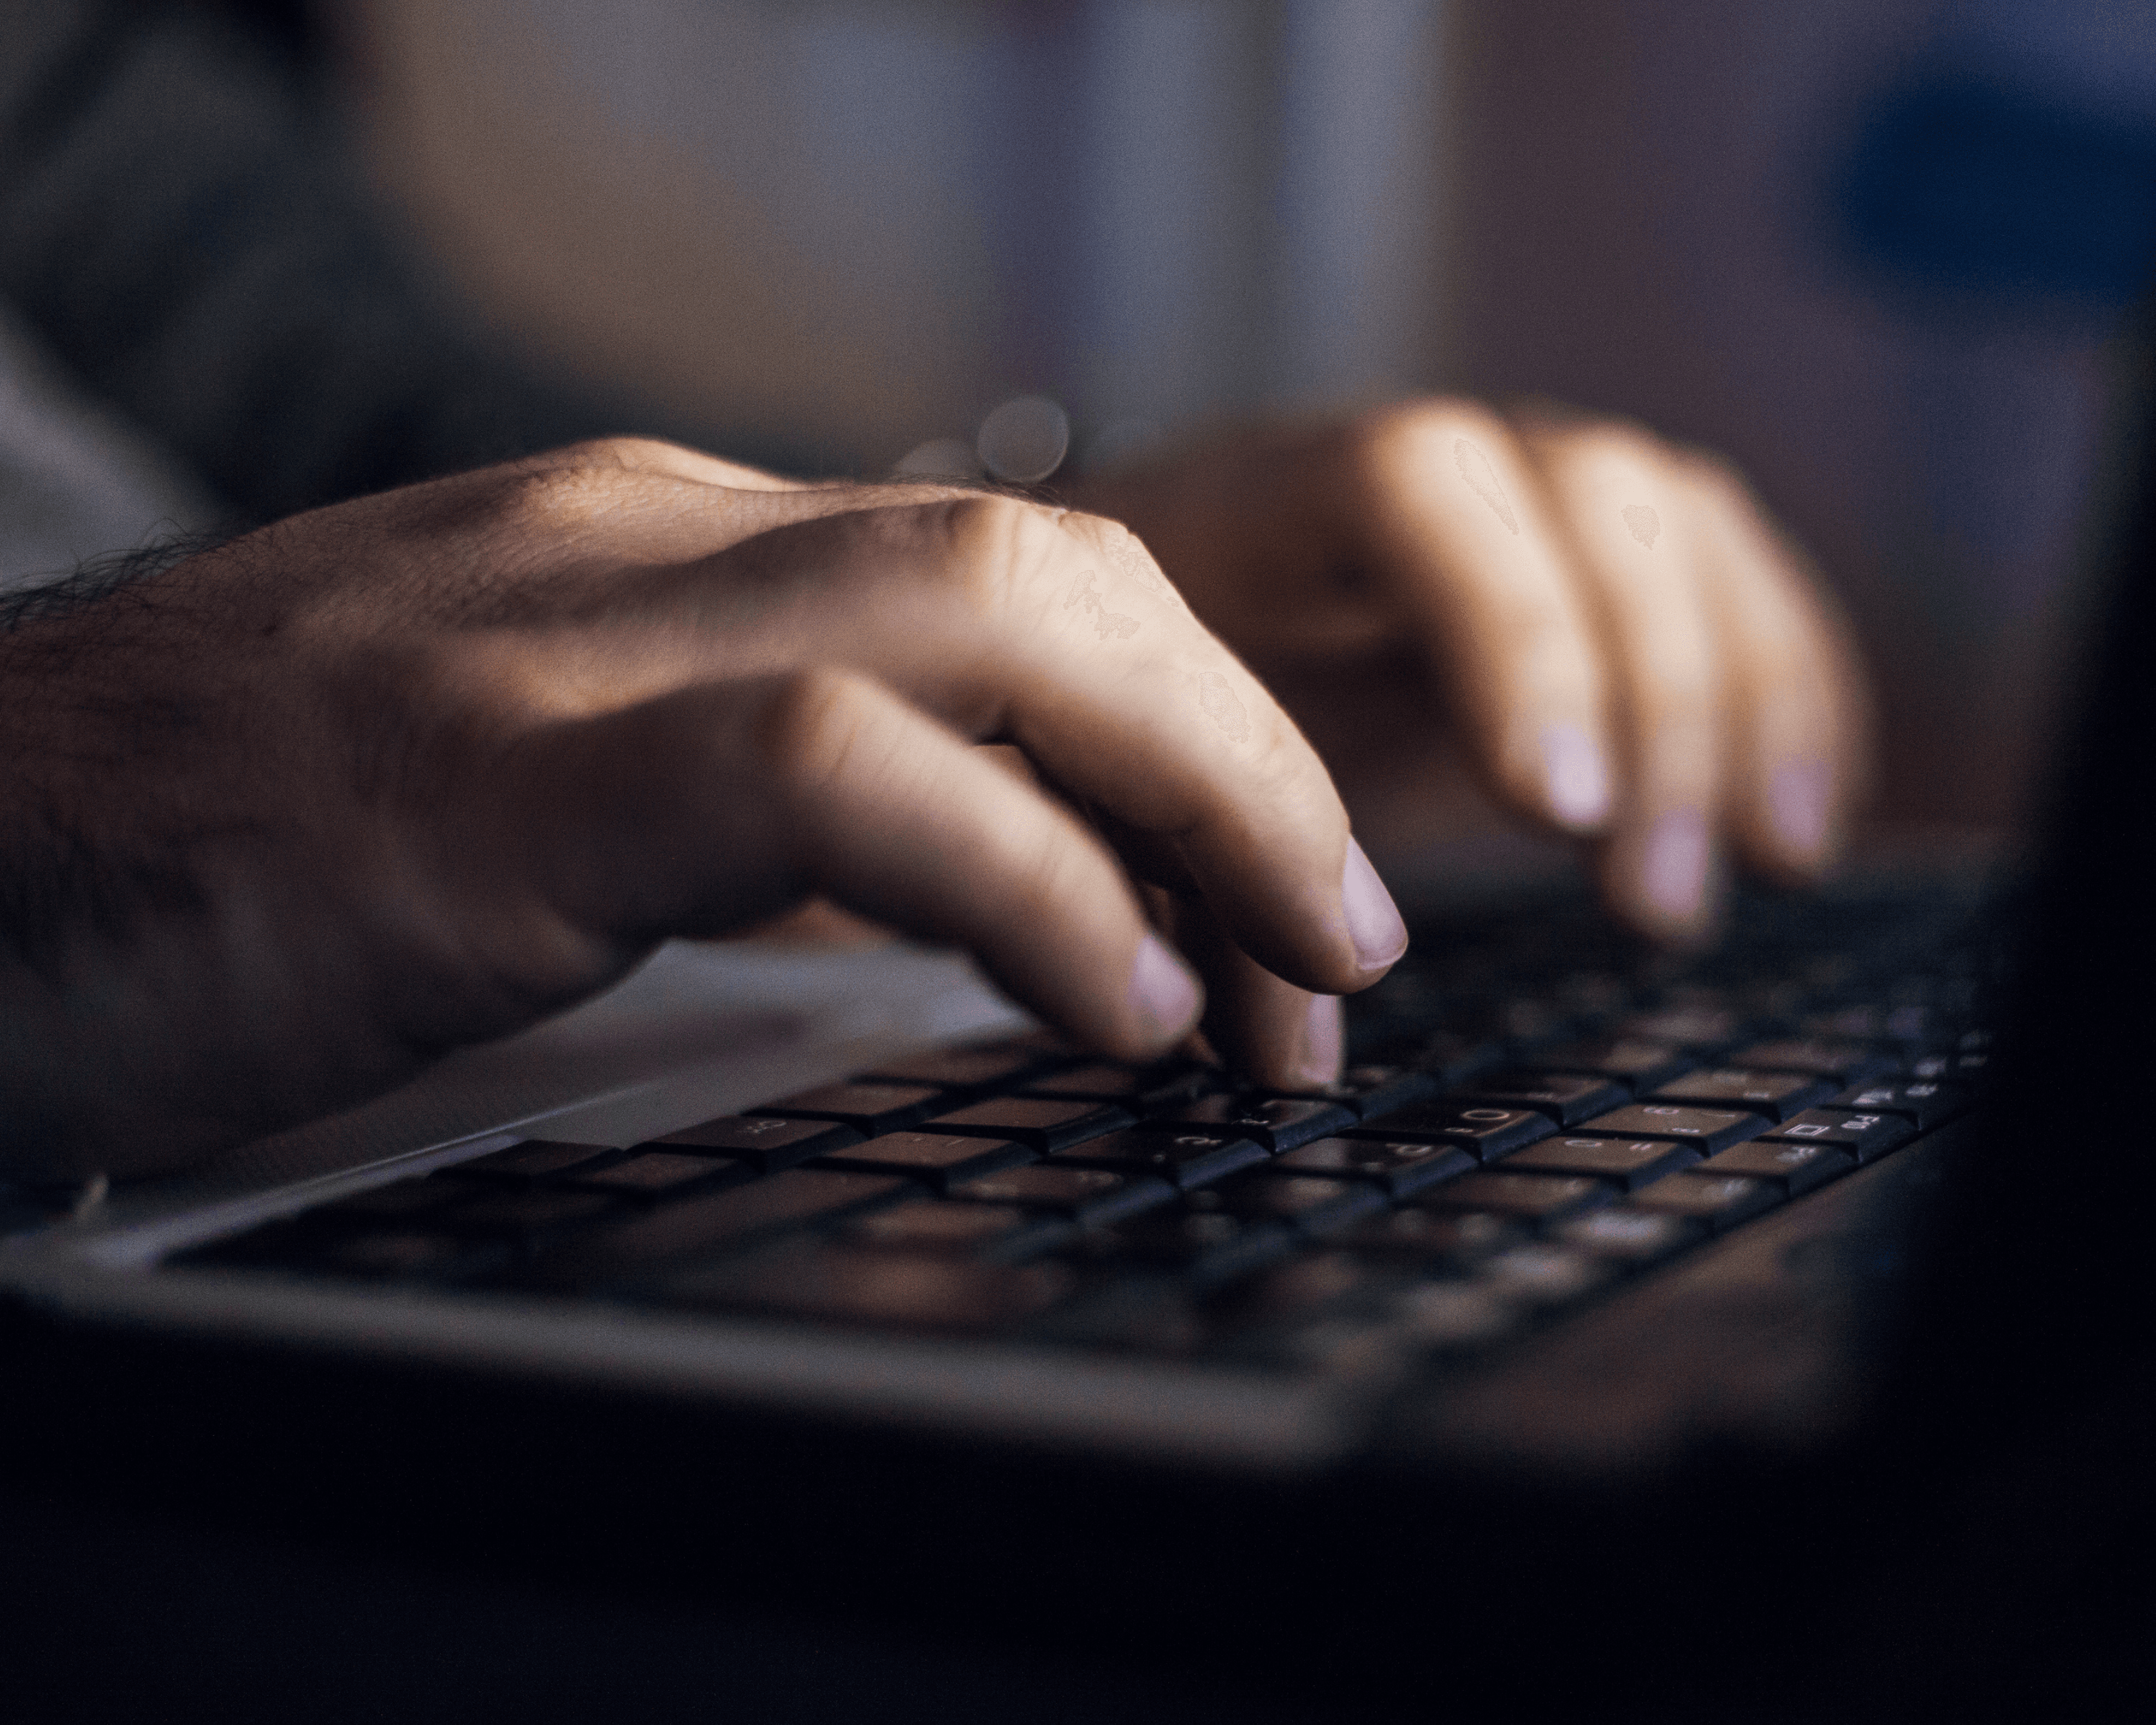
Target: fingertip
(1319, 1060)
(1165, 997)
(1799, 807)
(1575, 778)
(1374, 923)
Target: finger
(1460, 533)
(1627, 523)
(1796, 714)
(660, 456)
(1014, 623)
(718, 805)
(1279, 1036)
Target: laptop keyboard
(1537, 1109)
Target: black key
(1046, 1123)
(533, 1159)
(867, 1108)
(531, 1218)
(1845, 1062)
(1776, 1095)
(660, 1174)
(1524, 1198)
(1429, 1240)
(770, 1144)
(1398, 1169)
(1968, 1070)
(712, 1223)
(1489, 1132)
(1092, 1196)
(1365, 1090)
(882, 1289)
(1707, 1130)
(401, 1201)
(1209, 1247)
(1135, 1087)
(1294, 1288)
(1797, 1167)
(1630, 1061)
(1542, 1274)
(1630, 1162)
(1280, 1123)
(934, 1224)
(1001, 1067)
(943, 1160)
(1448, 1058)
(410, 1257)
(1927, 1101)
(1627, 1236)
(1182, 1158)
(1316, 1204)
(1906, 1023)
(1717, 1201)
(1565, 1098)
(1863, 1136)
(1687, 1027)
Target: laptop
(1613, 1299)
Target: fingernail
(1163, 989)
(1576, 779)
(1673, 871)
(1373, 920)
(1797, 794)
(1320, 1060)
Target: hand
(1610, 630)
(285, 822)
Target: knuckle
(993, 547)
(814, 721)
(1408, 436)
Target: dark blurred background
(1876, 252)
(864, 224)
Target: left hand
(1607, 629)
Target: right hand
(288, 821)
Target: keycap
(1718, 1200)
(1045, 1123)
(528, 1216)
(1445, 1317)
(1208, 1248)
(1688, 1027)
(1863, 1136)
(867, 1108)
(1627, 1236)
(1845, 1062)
(1428, 1240)
(1776, 1095)
(1875, 1022)
(1799, 1168)
(714, 1222)
(1565, 1097)
(1630, 1162)
(943, 1160)
(409, 1257)
(1279, 1123)
(1524, 1198)
(1183, 1159)
(1630, 1060)
(1294, 1288)
(1314, 1204)
(1135, 1087)
(1542, 1275)
(1398, 1169)
(533, 1159)
(1927, 1101)
(1706, 1129)
(1092, 1196)
(770, 1144)
(932, 1225)
(1489, 1132)
(658, 1174)
(1365, 1090)
(882, 1289)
